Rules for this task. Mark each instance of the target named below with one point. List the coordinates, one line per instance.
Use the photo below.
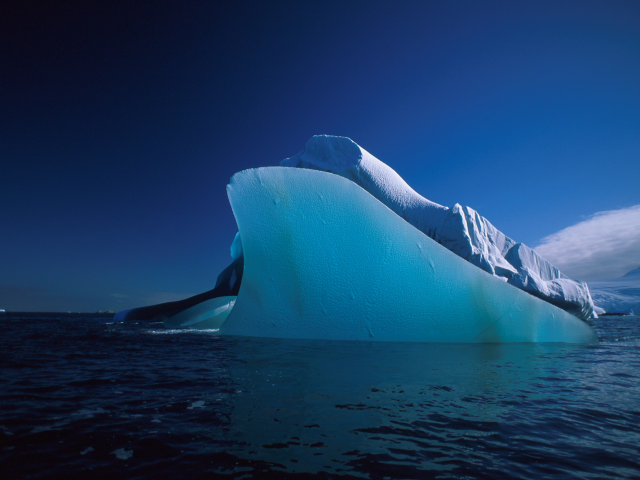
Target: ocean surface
(83, 397)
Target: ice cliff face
(324, 259)
(460, 229)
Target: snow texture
(460, 229)
(618, 295)
(325, 260)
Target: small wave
(182, 331)
(122, 454)
(123, 400)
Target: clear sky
(122, 122)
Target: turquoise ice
(324, 259)
(461, 229)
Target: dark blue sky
(122, 122)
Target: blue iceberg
(324, 259)
(340, 247)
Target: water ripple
(97, 399)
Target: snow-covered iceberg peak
(460, 229)
(344, 157)
(325, 152)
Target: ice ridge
(460, 229)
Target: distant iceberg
(618, 295)
(366, 257)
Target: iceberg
(617, 295)
(324, 259)
(333, 244)
(460, 229)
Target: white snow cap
(460, 229)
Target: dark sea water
(83, 397)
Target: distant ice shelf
(618, 295)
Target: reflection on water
(431, 406)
